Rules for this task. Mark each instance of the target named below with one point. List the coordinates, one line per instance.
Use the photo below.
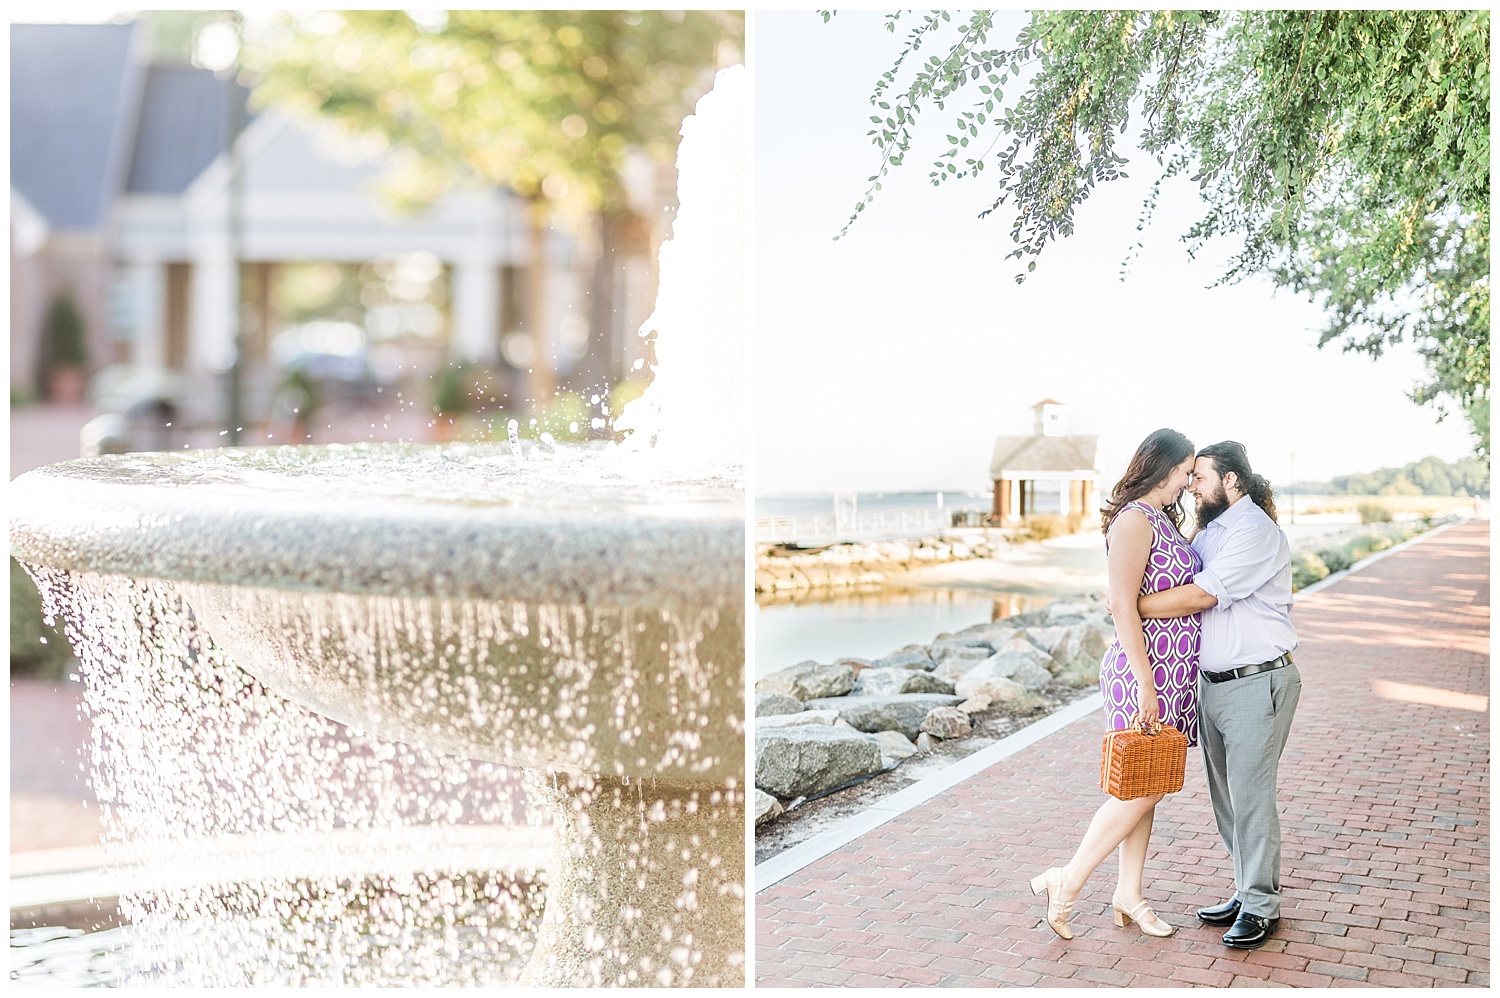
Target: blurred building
(1050, 471)
(123, 198)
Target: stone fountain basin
(567, 613)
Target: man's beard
(1209, 507)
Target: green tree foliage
(1430, 476)
(547, 103)
(1347, 149)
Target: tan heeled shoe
(1057, 909)
(1143, 916)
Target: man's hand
(1179, 601)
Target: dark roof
(73, 92)
(184, 118)
(1040, 453)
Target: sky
(892, 358)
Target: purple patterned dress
(1171, 645)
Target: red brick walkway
(1385, 818)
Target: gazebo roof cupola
(1051, 418)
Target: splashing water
(274, 845)
(444, 612)
(692, 415)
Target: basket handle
(1152, 729)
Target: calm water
(813, 503)
(873, 624)
(824, 626)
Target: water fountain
(579, 612)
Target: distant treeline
(1430, 476)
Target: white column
(1065, 492)
(1015, 498)
(476, 308)
(148, 281)
(476, 283)
(215, 293)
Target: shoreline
(808, 819)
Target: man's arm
(1252, 555)
(1179, 601)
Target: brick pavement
(1385, 818)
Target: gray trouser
(1243, 725)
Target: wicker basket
(1136, 762)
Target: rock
(1081, 648)
(767, 808)
(952, 661)
(1048, 638)
(925, 743)
(947, 722)
(768, 704)
(857, 664)
(808, 681)
(1019, 661)
(826, 717)
(999, 689)
(902, 712)
(1001, 633)
(1031, 675)
(895, 745)
(910, 657)
(975, 704)
(808, 760)
(1031, 618)
(887, 682)
(1060, 612)
(978, 651)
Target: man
(1248, 687)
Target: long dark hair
(1229, 455)
(1152, 462)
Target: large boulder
(1020, 662)
(895, 746)
(1047, 637)
(826, 717)
(886, 682)
(808, 681)
(1002, 632)
(1071, 611)
(947, 722)
(767, 808)
(991, 690)
(1078, 654)
(910, 657)
(902, 712)
(956, 659)
(768, 704)
(807, 760)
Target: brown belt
(1247, 670)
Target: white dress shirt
(1247, 567)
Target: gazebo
(1062, 464)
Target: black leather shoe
(1220, 914)
(1250, 931)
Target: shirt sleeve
(1251, 557)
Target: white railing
(825, 528)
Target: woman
(1150, 673)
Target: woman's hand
(1149, 710)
